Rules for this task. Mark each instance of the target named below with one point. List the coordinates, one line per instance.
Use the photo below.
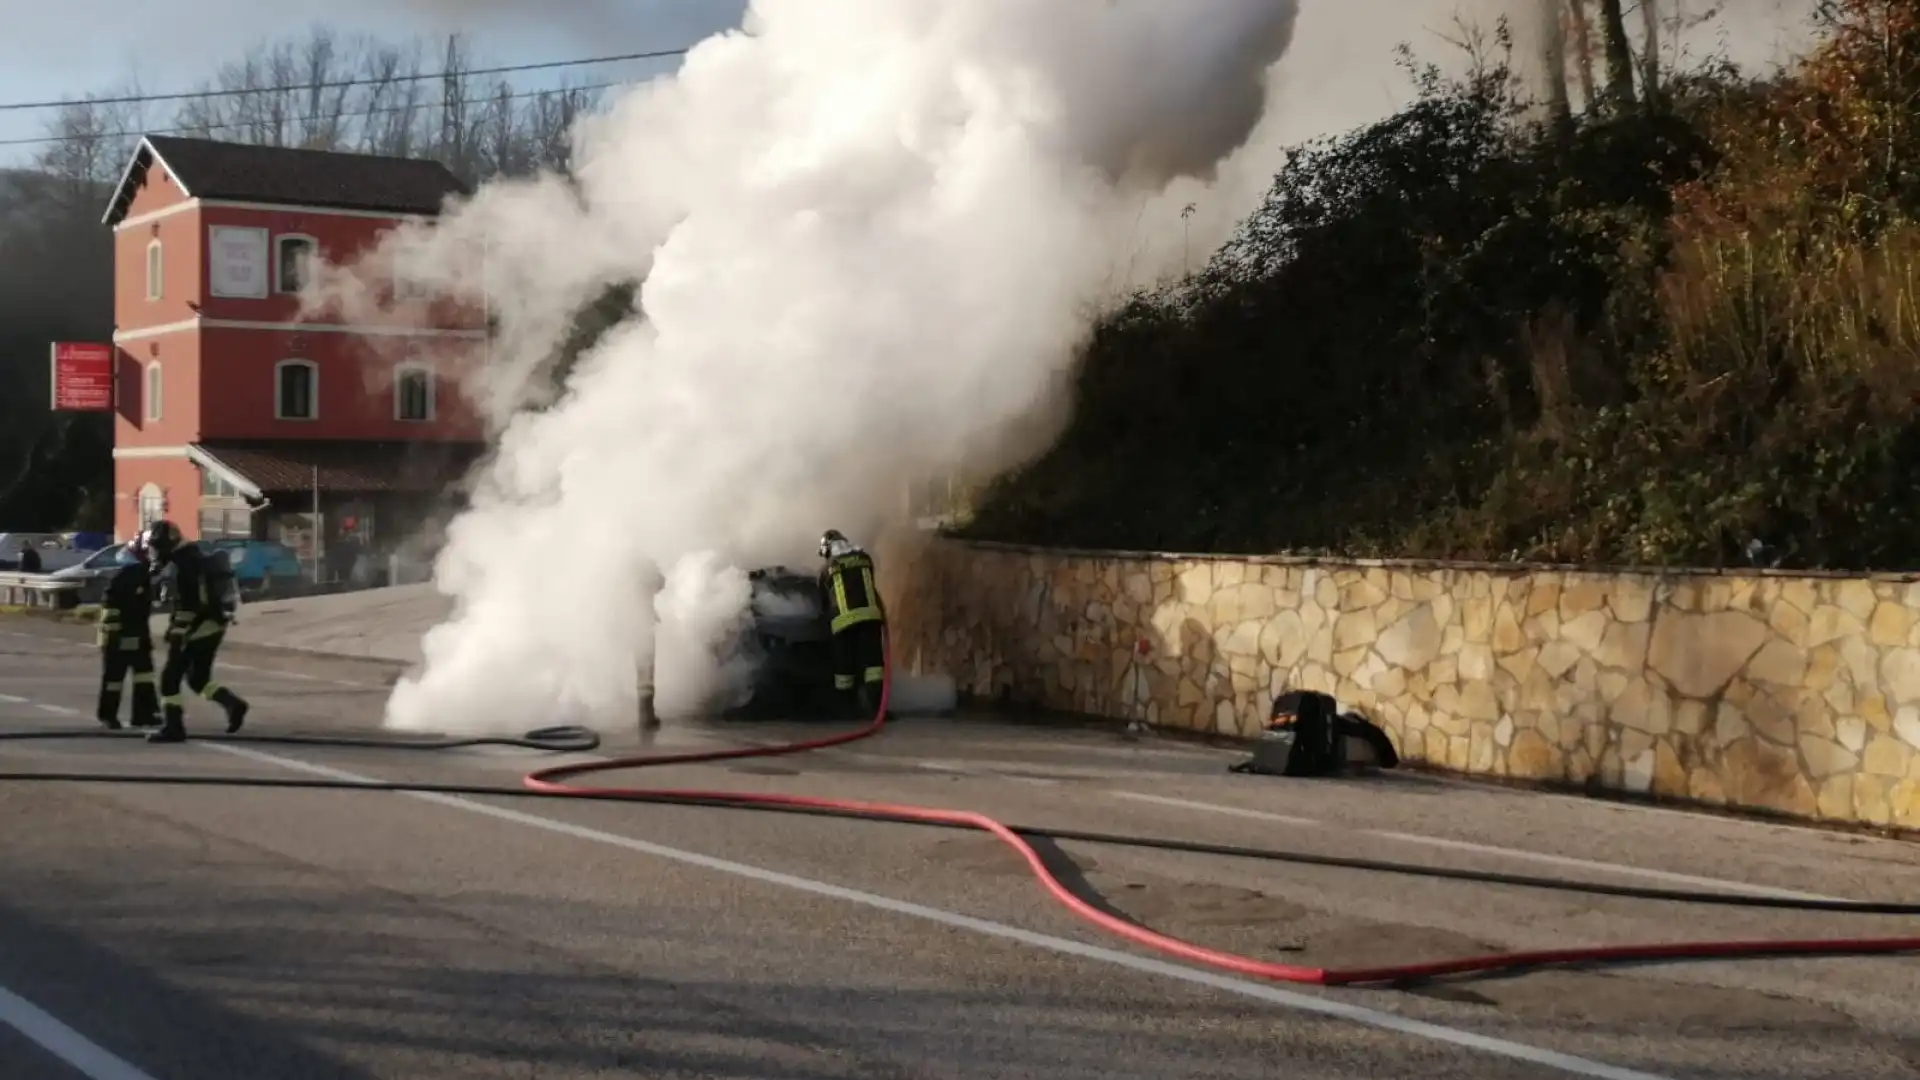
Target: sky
(73, 47)
(1341, 72)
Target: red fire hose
(550, 781)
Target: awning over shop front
(341, 467)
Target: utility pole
(317, 541)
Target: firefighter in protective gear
(202, 608)
(858, 620)
(125, 638)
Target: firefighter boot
(108, 710)
(146, 704)
(235, 705)
(173, 727)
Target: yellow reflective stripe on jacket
(855, 618)
(107, 625)
(845, 615)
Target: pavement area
(176, 933)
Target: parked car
(94, 572)
(57, 551)
(263, 565)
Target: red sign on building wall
(82, 376)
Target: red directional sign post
(82, 376)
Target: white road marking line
(1259, 991)
(1740, 887)
(1616, 868)
(961, 770)
(302, 676)
(42, 1029)
(9, 699)
(59, 710)
(1231, 811)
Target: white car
(94, 570)
(55, 554)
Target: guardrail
(38, 591)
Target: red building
(235, 418)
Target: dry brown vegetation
(1679, 322)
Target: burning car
(787, 644)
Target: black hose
(569, 739)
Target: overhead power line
(355, 114)
(195, 95)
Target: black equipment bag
(1307, 736)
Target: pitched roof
(342, 466)
(241, 172)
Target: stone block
(1195, 584)
(1699, 654)
(1900, 675)
(1855, 597)
(1886, 756)
(1631, 599)
(1543, 597)
(1836, 797)
(1906, 724)
(1778, 663)
(1411, 642)
(1890, 625)
(1826, 759)
(1353, 630)
(1557, 658)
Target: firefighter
(125, 638)
(202, 608)
(858, 620)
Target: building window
(153, 504)
(412, 393)
(296, 390)
(156, 267)
(154, 386)
(214, 486)
(293, 262)
(408, 281)
(226, 524)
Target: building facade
(235, 415)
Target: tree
(1613, 27)
(1554, 38)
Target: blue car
(261, 564)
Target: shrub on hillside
(1652, 339)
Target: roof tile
(243, 172)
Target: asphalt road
(151, 933)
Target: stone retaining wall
(1784, 693)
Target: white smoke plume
(871, 234)
(705, 607)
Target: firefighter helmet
(162, 538)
